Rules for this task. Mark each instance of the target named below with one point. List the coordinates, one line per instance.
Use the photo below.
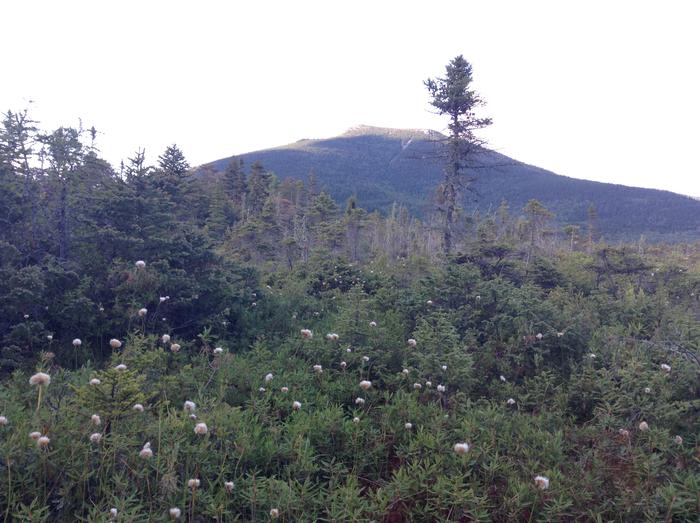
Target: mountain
(382, 166)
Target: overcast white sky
(601, 90)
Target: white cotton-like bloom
(332, 336)
(343, 364)
(35, 435)
(201, 429)
(306, 334)
(355, 419)
(647, 390)
(502, 378)
(478, 298)
(348, 349)
(285, 389)
(174, 513)
(429, 302)
(175, 347)
(539, 336)
(359, 401)
(372, 323)
(218, 350)
(643, 426)
(190, 406)
(441, 388)
(138, 407)
(665, 367)
(461, 448)
(296, 405)
(94, 382)
(228, 485)
(96, 420)
(417, 386)
(146, 451)
(262, 389)
(560, 334)
(43, 441)
(274, 513)
(3, 421)
(142, 312)
(115, 343)
(444, 367)
(624, 433)
(592, 356)
(365, 359)
(405, 372)
(318, 369)
(411, 342)
(162, 299)
(140, 264)
(268, 377)
(678, 440)
(40, 379)
(113, 513)
(121, 367)
(77, 342)
(408, 426)
(49, 337)
(95, 437)
(165, 338)
(428, 384)
(510, 402)
(365, 384)
(542, 482)
(193, 483)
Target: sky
(600, 90)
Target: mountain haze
(383, 166)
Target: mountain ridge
(382, 166)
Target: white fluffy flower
(274, 513)
(359, 401)
(95, 381)
(643, 426)
(228, 485)
(218, 350)
(77, 342)
(113, 513)
(408, 426)
(140, 264)
(372, 323)
(306, 334)
(138, 407)
(461, 448)
(143, 311)
(624, 433)
(146, 451)
(193, 483)
(365, 358)
(3, 421)
(365, 384)
(296, 405)
(343, 364)
(417, 386)
(318, 369)
(190, 406)
(40, 378)
(165, 338)
(678, 440)
(502, 378)
(428, 384)
(355, 419)
(510, 402)
(441, 388)
(35, 435)
(647, 390)
(115, 343)
(444, 367)
(268, 377)
(49, 337)
(405, 372)
(262, 389)
(175, 347)
(201, 429)
(96, 420)
(429, 302)
(542, 482)
(43, 441)
(285, 389)
(665, 367)
(411, 342)
(95, 437)
(332, 336)
(174, 513)
(539, 336)
(121, 367)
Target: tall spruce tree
(453, 97)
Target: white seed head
(262, 389)
(138, 407)
(461, 448)
(678, 440)
(355, 419)
(429, 302)
(296, 405)
(318, 369)
(193, 483)
(365, 358)
(560, 334)
(113, 513)
(35, 435)
(359, 401)
(408, 426)
(121, 367)
(285, 389)
(142, 312)
(115, 343)
(665, 367)
(140, 264)
(95, 419)
(417, 386)
(428, 384)
(49, 337)
(510, 402)
(441, 388)
(306, 334)
(175, 347)
(444, 367)
(218, 350)
(268, 377)
(592, 356)
(40, 378)
(43, 441)
(228, 485)
(146, 451)
(95, 437)
(274, 513)
(165, 338)
(647, 390)
(94, 382)
(365, 384)
(643, 426)
(539, 336)
(542, 482)
(372, 323)
(77, 342)
(411, 342)
(348, 349)
(201, 429)
(190, 406)
(174, 513)
(3, 421)
(405, 372)
(343, 364)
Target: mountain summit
(382, 166)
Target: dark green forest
(244, 347)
